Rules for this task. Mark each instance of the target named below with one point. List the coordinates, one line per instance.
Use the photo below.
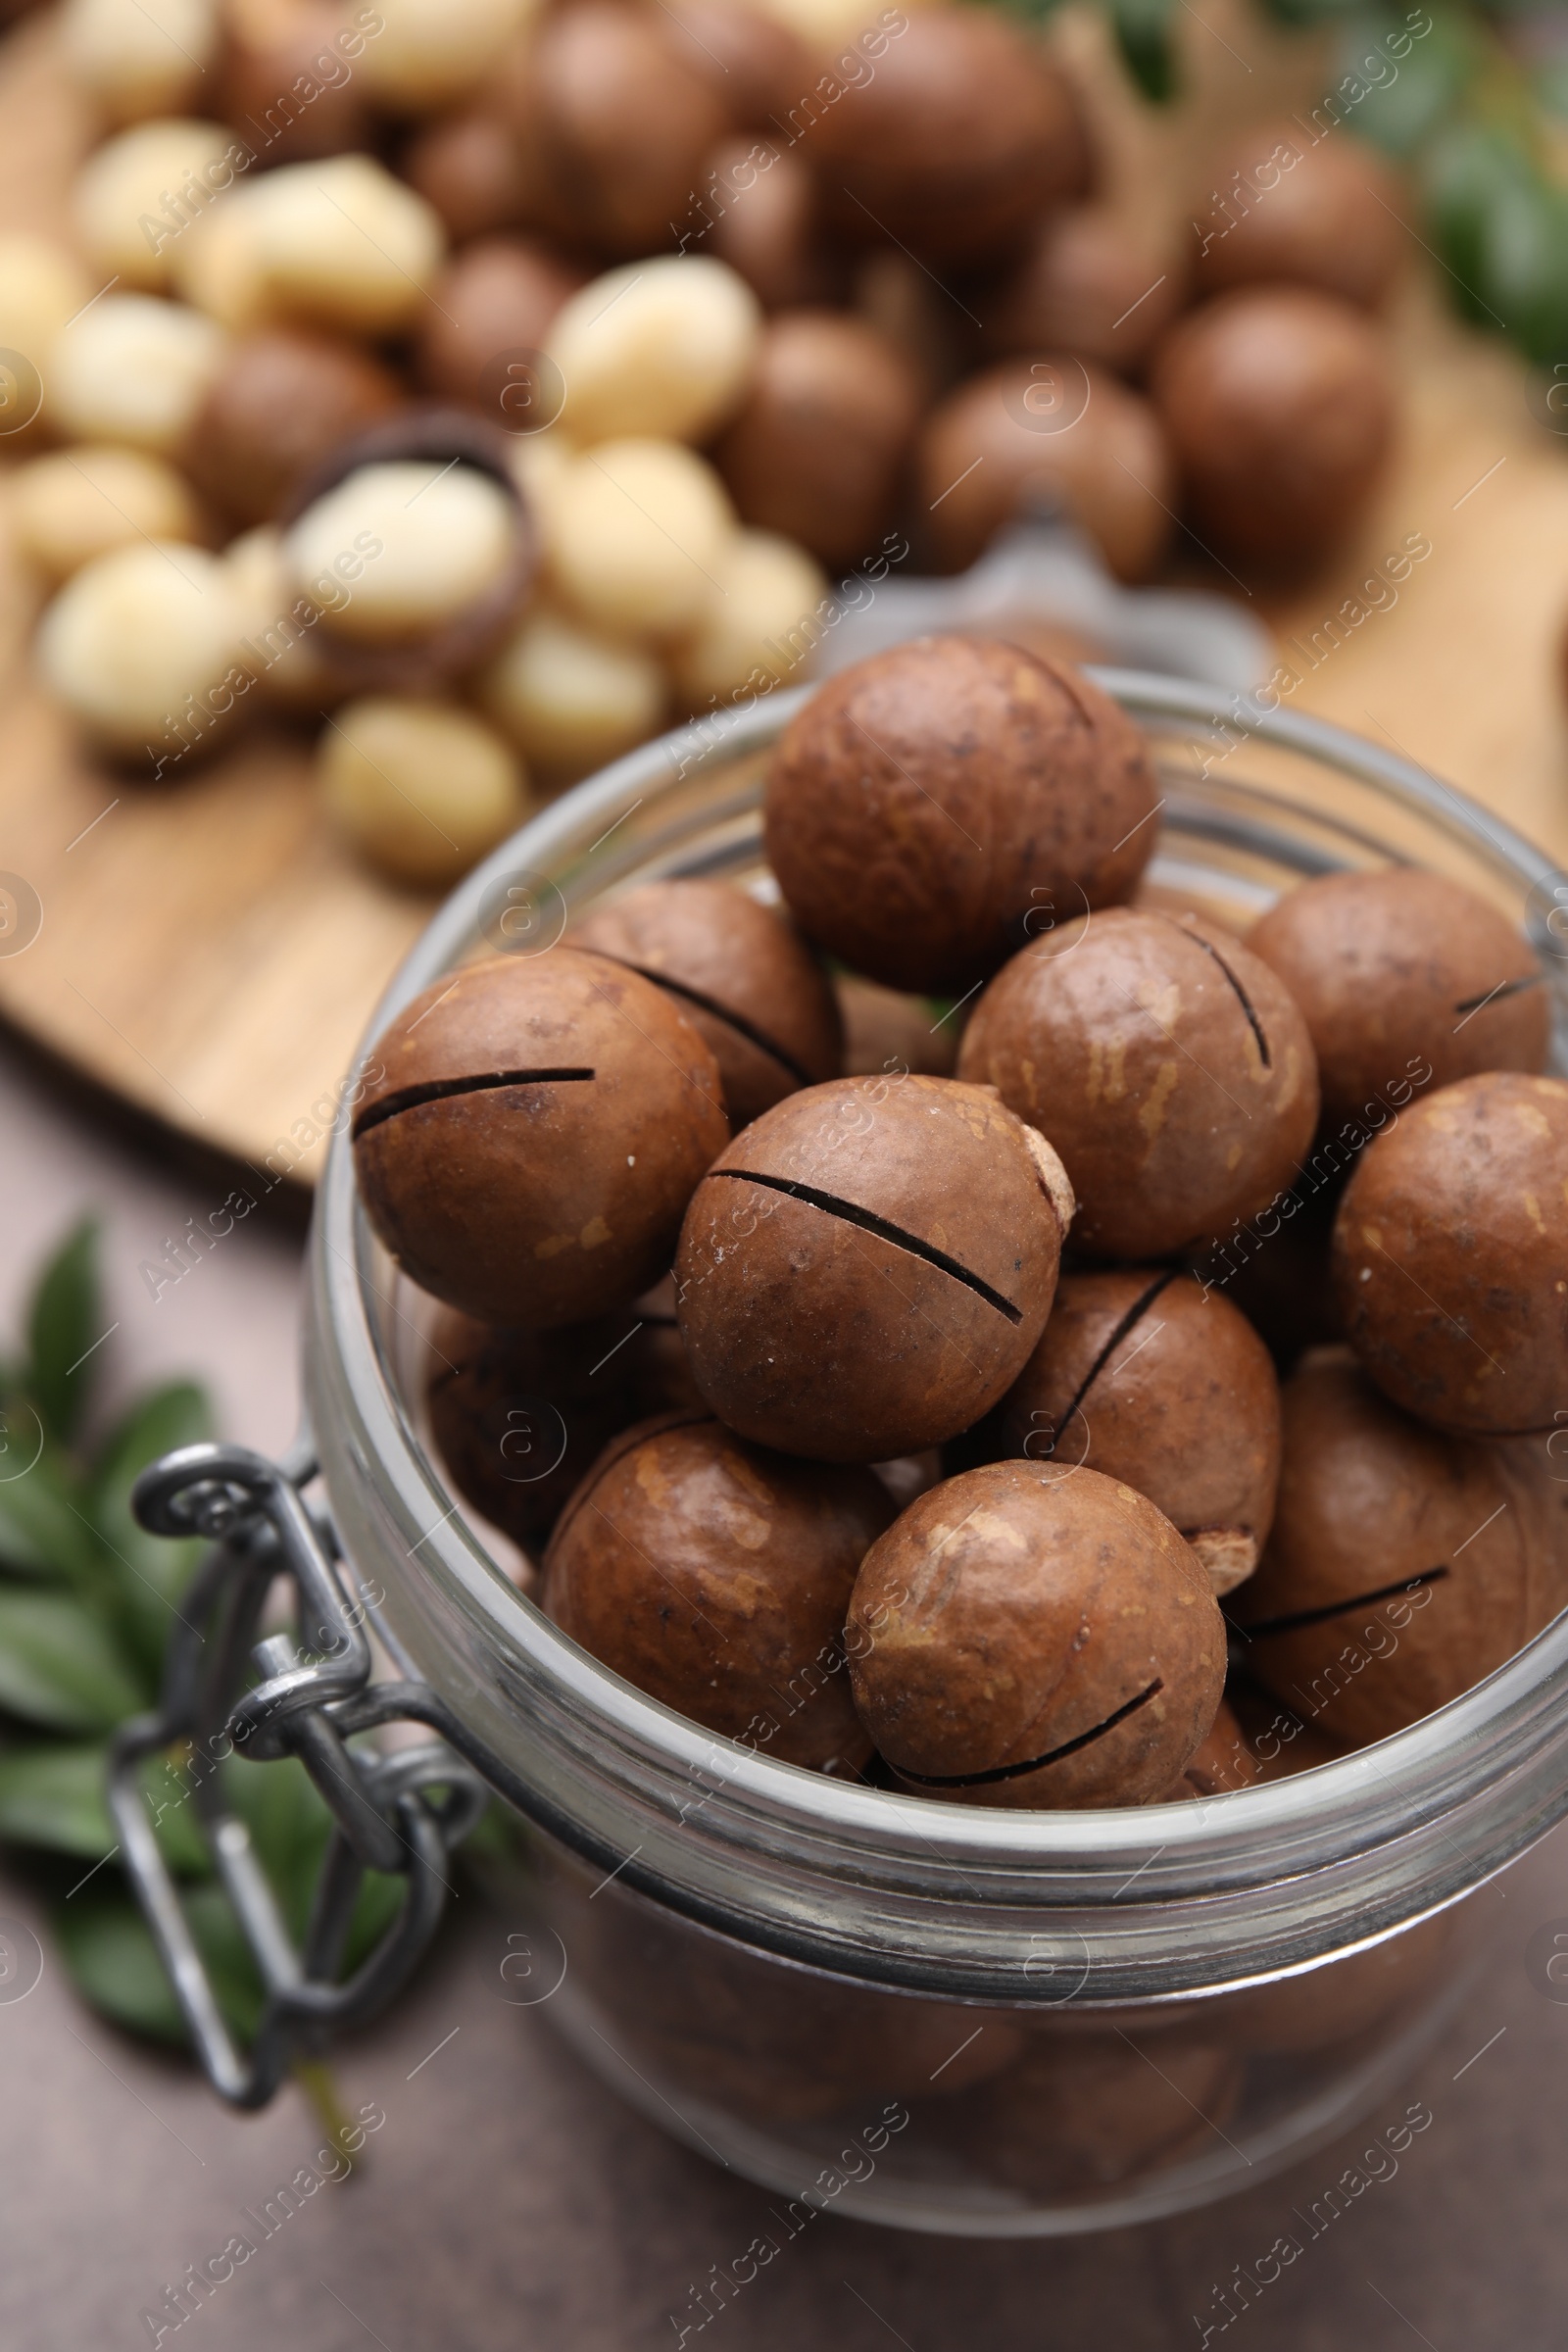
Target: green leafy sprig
(86, 1600)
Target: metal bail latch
(398, 1812)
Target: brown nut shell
(716, 1575)
(1086, 284)
(1047, 428)
(958, 139)
(1405, 980)
(1086, 2113)
(1141, 1375)
(1450, 1256)
(281, 402)
(1172, 1072)
(418, 664)
(770, 229)
(274, 52)
(471, 165)
(1028, 1637)
(534, 1134)
(497, 296)
(865, 1269)
(1403, 1567)
(931, 807)
(518, 1417)
(745, 980)
(1280, 407)
(1286, 211)
(818, 446)
(1221, 1763)
(752, 62)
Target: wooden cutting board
(209, 954)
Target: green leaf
(54, 1796)
(1143, 29)
(152, 1572)
(1414, 94)
(1468, 172)
(60, 1666)
(64, 1321)
(111, 1955)
(43, 1529)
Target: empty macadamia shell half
(1450, 1256)
(1026, 1636)
(661, 349)
(1145, 1376)
(1403, 1566)
(531, 1130)
(1169, 1068)
(865, 1269)
(1406, 980)
(716, 1575)
(415, 540)
(933, 807)
(742, 976)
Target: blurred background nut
(137, 193)
(42, 285)
(497, 297)
(140, 57)
(1404, 978)
(818, 447)
(296, 670)
(749, 637)
(1286, 208)
(288, 78)
(1048, 427)
(572, 701)
(766, 224)
(636, 533)
(426, 53)
(662, 348)
(139, 637)
(754, 61)
(422, 787)
(338, 243)
(132, 369)
(469, 167)
(279, 400)
(954, 141)
(620, 120)
(79, 502)
(1089, 283)
(1280, 407)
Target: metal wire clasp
(398, 1812)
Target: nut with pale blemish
(1399, 968)
(716, 1575)
(1451, 1254)
(1141, 1375)
(1026, 1637)
(740, 974)
(865, 1269)
(1170, 1069)
(1403, 1566)
(537, 1128)
(934, 806)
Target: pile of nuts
(488, 383)
(933, 1461)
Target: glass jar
(952, 2019)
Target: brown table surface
(510, 2200)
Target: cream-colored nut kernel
(280, 628)
(131, 368)
(637, 532)
(142, 646)
(339, 243)
(143, 189)
(662, 347)
(759, 624)
(76, 504)
(41, 286)
(140, 57)
(829, 25)
(429, 52)
(423, 788)
(572, 701)
(420, 542)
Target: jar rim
(1164, 1899)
